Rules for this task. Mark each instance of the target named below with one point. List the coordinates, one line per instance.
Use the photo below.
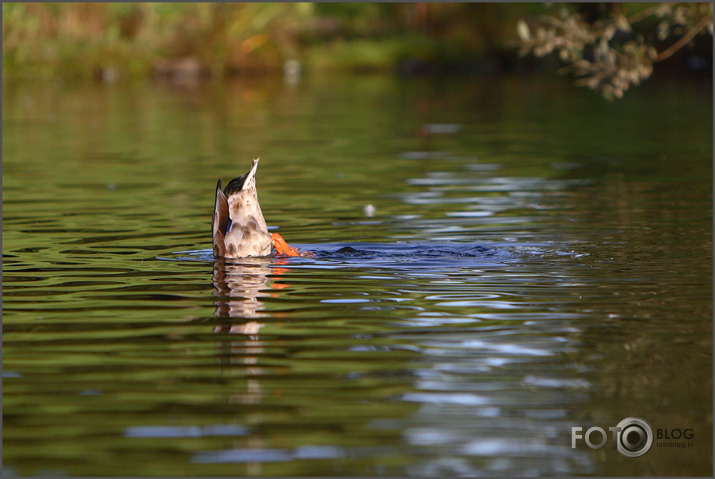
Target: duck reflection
(240, 285)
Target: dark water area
(495, 262)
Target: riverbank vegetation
(111, 41)
(134, 39)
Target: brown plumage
(238, 228)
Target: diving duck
(239, 229)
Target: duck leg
(284, 248)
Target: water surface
(534, 259)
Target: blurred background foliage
(126, 40)
(609, 47)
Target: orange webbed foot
(284, 248)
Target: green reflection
(590, 301)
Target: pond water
(496, 262)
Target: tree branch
(685, 39)
(636, 17)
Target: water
(534, 259)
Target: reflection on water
(447, 384)
(239, 285)
(524, 269)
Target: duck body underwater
(238, 228)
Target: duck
(238, 227)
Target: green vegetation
(608, 47)
(48, 40)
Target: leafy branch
(606, 55)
